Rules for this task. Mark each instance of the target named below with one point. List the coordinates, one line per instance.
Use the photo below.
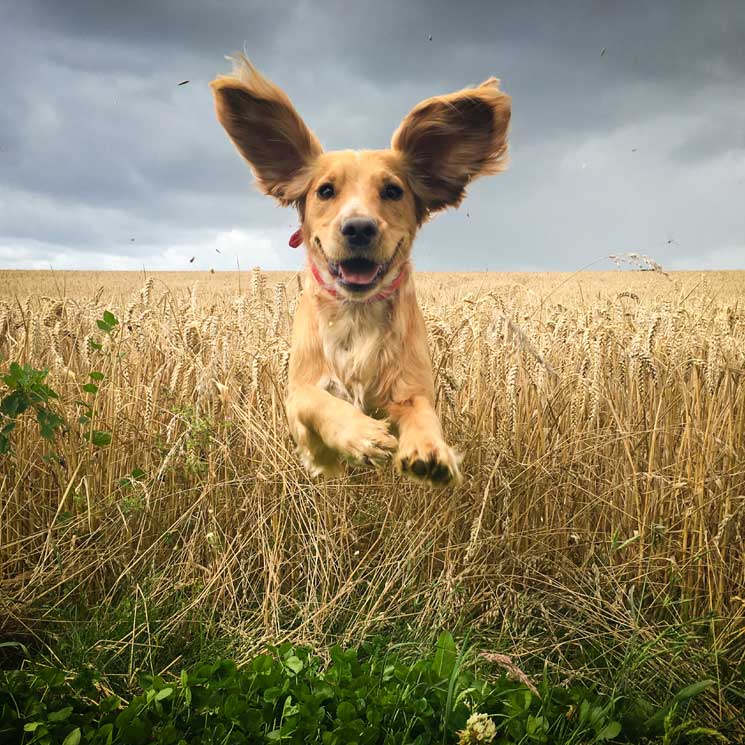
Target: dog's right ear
(263, 124)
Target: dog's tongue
(358, 271)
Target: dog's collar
(296, 240)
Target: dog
(361, 387)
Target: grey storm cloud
(106, 162)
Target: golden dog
(359, 365)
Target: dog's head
(360, 210)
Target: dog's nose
(359, 231)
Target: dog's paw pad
(437, 464)
(441, 473)
(418, 467)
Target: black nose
(359, 231)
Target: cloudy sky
(107, 163)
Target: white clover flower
(479, 729)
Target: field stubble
(601, 419)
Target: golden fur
(361, 385)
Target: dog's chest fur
(356, 340)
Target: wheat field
(600, 416)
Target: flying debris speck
(633, 149)
(218, 250)
(183, 82)
(131, 240)
(602, 52)
(191, 260)
(430, 37)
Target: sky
(627, 135)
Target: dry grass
(601, 418)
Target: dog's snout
(359, 231)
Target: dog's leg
(422, 450)
(328, 429)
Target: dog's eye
(393, 192)
(325, 191)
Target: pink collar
(296, 240)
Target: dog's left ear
(449, 140)
(267, 130)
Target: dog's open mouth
(357, 274)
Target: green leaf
(105, 327)
(445, 656)
(163, 693)
(234, 706)
(52, 677)
(31, 726)
(109, 704)
(98, 438)
(14, 404)
(73, 738)
(61, 715)
(169, 734)
(263, 664)
(611, 730)
(110, 318)
(272, 694)
(135, 732)
(90, 388)
(345, 711)
(294, 663)
(96, 375)
(693, 690)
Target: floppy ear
(449, 140)
(263, 124)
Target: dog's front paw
(429, 460)
(366, 440)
